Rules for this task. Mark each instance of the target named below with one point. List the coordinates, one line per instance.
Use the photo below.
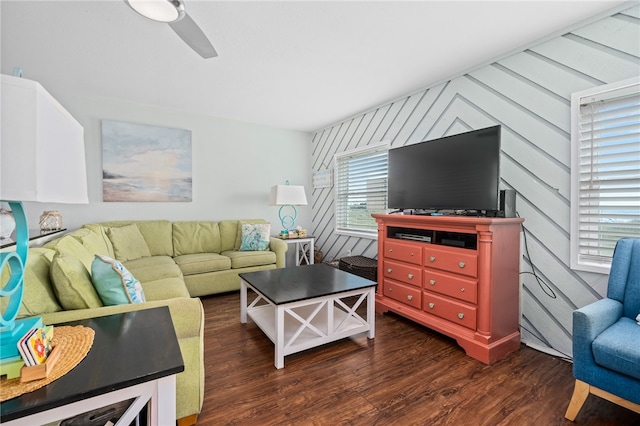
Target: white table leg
(279, 343)
(371, 311)
(311, 252)
(243, 301)
(163, 402)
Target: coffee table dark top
(128, 349)
(286, 285)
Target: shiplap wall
(529, 94)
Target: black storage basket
(361, 266)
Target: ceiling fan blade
(190, 32)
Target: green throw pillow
(128, 242)
(114, 283)
(72, 283)
(255, 237)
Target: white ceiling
(296, 65)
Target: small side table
(302, 246)
(135, 355)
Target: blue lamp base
(288, 221)
(11, 331)
(9, 339)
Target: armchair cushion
(617, 348)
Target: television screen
(459, 172)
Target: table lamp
(43, 161)
(287, 196)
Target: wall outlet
(348, 252)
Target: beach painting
(145, 163)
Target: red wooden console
(462, 283)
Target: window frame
(339, 228)
(605, 92)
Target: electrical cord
(546, 288)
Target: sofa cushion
(228, 234)
(617, 348)
(38, 297)
(200, 263)
(68, 245)
(95, 240)
(196, 237)
(255, 237)
(157, 234)
(114, 283)
(244, 259)
(72, 283)
(128, 242)
(153, 268)
(164, 289)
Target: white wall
(234, 165)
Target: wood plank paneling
(529, 94)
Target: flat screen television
(458, 172)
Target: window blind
(360, 188)
(608, 171)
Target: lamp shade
(42, 147)
(284, 195)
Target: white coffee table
(307, 306)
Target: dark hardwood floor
(407, 375)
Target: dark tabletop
(286, 285)
(128, 349)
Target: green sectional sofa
(175, 263)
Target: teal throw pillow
(255, 237)
(114, 283)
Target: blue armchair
(606, 337)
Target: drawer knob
(432, 305)
(432, 282)
(462, 290)
(411, 254)
(389, 270)
(460, 315)
(390, 250)
(410, 276)
(432, 259)
(461, 264)
(409, 297)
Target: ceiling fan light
(159, 10)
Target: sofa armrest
(279, 247)
(186, 313)
(588, 322)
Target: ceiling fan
(173, 13)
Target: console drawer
(455, 286)
(456, 312)
(407, 252)
(458, 261)
(403, 272)
(402, 293)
